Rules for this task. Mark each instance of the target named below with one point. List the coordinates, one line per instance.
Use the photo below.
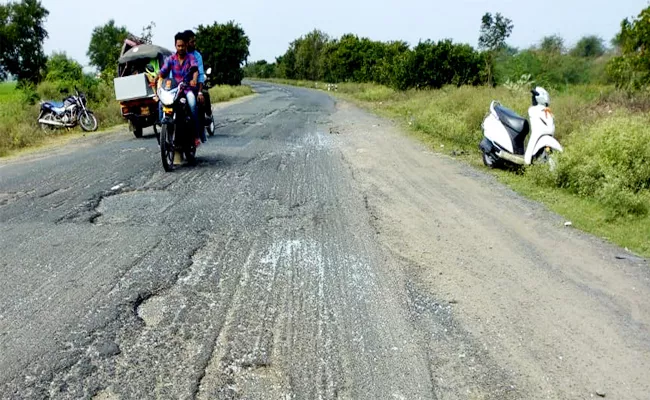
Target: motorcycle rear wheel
(47, 128)
(210, 126)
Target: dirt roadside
(564, 313)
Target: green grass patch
(7, 91)
(602, 183)
(221, 93)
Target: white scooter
(504, 133)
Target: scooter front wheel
(546, 157)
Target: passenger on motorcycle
(204, 94)
(179, 64)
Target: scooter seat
(512, 119)
(55, 104)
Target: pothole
(152, 310)
(106, 395)
(132, 207)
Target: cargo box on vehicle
(132, 87)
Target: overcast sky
(271, 25)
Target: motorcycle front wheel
(88, 121)
(167, 147)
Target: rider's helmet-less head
(191, 39)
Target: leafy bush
(610, 161)
(17, 127)
(549, 69)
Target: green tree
(342, 58)
(589, 47)
(309, 51)
(493, 34)
(390, 69)
(259, 69)
(631, 70)
(286, 63)
(62, 68)
(21, 40)
(224, 48)
(105, 46)
(553, 44)
(434, 65)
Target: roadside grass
(221, 93)
(7, 89)
(15, 128)
(19, 128)
(602, 182)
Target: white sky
(272, 25)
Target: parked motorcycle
(177, 131)
(67, 114)
(504, 133)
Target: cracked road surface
(314, 252)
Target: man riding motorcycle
(203, 94)
(179, 64)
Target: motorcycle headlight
(167, 97)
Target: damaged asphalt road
(248, 274)
(296, 263)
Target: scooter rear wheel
(489, 160)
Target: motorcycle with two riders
(176, 137)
